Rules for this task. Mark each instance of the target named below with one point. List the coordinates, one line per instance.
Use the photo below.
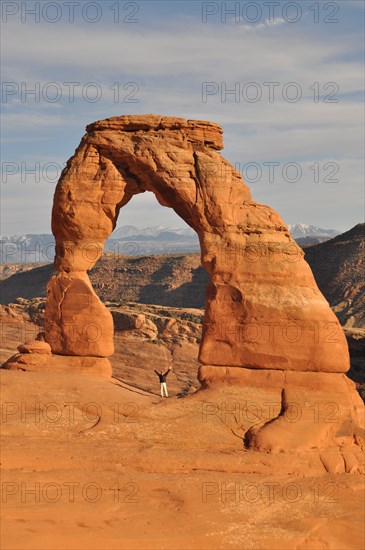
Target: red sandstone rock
(99, 366)
(263, 308)
(296, 411)
(35, 346)
(77, 322)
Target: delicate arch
(257, 272)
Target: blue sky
(284, 79)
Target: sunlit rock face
(263, 307)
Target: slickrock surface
(93, 464)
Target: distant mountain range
(158, 231)
(133, 241)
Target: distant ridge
(172, 280)
(338, 266)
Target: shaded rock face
(338, 266)
(263, 307)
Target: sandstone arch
(266, 323)
(263, 308)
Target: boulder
(35, 346)
(32, 362)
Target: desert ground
(97, 464)
(93, 463)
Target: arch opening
(155, 292)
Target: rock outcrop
(35, 346)
(264, 312)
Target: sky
(284, 79)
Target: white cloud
(195, 50)
(275, 21)
(171, 62)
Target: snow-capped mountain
(30, 247)
(300, 231)
(124, 231)
(130, 231)
(131, 240)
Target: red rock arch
(263, 307)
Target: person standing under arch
(162, 376)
